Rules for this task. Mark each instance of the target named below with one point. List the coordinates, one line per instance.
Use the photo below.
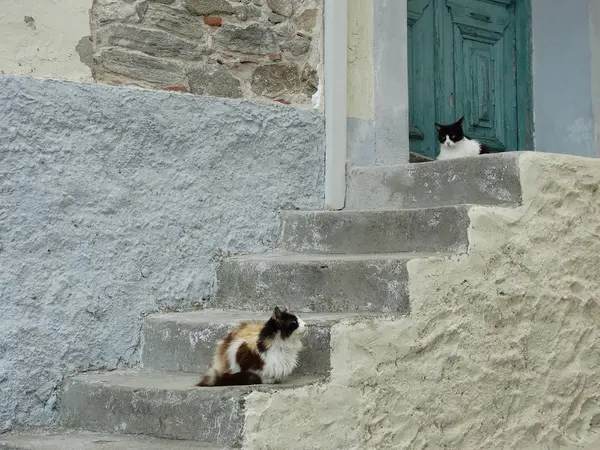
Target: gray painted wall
(390, 63)
(595, 49)
(563, 116)
(113, 203)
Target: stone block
(245, 12)
(208, 7)
(306, 20)
(156, 43)
(253, 39)
(138, 66)
(213, 79)
(276, 18)
(297, 46)
(274, 79)
(174, 21)
(283, 7)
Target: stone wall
(114, 203)
(264, 49)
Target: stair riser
(210, 415)
(484, 180)
(322, 286)
(172, 346)
(419, 230)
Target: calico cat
(257, 352)
(454, 143)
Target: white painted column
(335, 72)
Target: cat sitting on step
(257, 352)
(454, 143)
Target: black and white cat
(454, 143)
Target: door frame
(526, 128)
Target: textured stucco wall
(113, 203)
(500, 349)
(50, 46)
(562, 99)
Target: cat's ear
(276, 313)
(438, 126)
(460, 121)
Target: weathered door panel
(472, 71)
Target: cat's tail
(487, 150)
(212, 378)
(209, 379)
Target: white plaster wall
(46, 47)
(500, 350)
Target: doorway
(470, 58)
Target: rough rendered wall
(268, 49)
(113, 203)
(46, 39)
(501, 350)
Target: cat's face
(288, 324)
(450, 134)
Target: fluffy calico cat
(454, 143)
(257, 352)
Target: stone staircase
(328, 266)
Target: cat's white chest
(462, 149)
(280, 360)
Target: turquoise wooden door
(470, 58)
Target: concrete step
(185, 342)
(159, 404)
(408, 230)
(481, 180)
(316, 283)
(83, 440)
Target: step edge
(197, 317)
(296, 258)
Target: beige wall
(360, 59)
(46, 47)
(500, 350)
